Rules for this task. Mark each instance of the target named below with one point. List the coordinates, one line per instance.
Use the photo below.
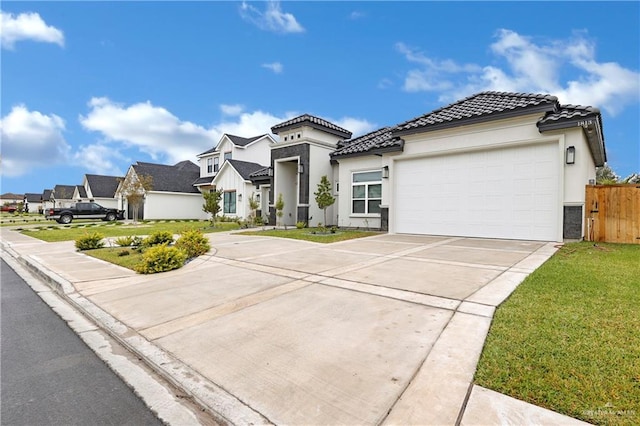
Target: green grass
(53, 232)
(568, 338)
(307, 235)
(110, 254)
(10, 219)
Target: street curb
(219, 403)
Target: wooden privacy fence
(612, 213)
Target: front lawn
(114, 255)
(54, 232)
(308, 234)
(568, 338)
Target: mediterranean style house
(492, 165)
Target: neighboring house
(493, 165)
(102, 189)
(238, 185)
(34, 202)
(172, 194)
(253, 150)
(62, 195)
(298, 161)
(11, 198)
(47, 199)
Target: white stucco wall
(173, 205)
(346, 167)
(319, 166)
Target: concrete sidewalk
(382, 330)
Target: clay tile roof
(479, 107)
(313, 121)
(378, 141)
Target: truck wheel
(66, 219)
(111, 217)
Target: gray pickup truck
(83, 211)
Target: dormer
(308, 128)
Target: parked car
(9, 208)
(84, 211)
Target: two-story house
(238, 166)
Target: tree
(279, 207)
(133, 188)
(606, 176)
(212, 203)
(253, 206)
(632, 178)
(324, 199)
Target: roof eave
(475, 120)
(277, 130)
(375, 151)
(591, 126)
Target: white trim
(366, 190)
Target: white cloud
(27, 26)
(357, 126)
(31, 139)
(271, 19)
(529, 66)
(151, 129)
(101, 159)
(356, 14)
(276, 67)
(232, 110)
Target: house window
(227, 155)
(229, 202)
(209, 165)
(366, 192)
(285, 138)
(216, 164)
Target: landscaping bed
(568, 338)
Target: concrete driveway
(386, 329)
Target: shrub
(161, 258)
(124, 241)
(158, 238)
(137, 241)
(194, 243)
(301, 225)
(90, 241)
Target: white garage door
(502, 193)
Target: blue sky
(94, 87)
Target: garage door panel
(503, 193)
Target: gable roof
(12, 196)
(33, 197)
(82, 192)
(63, 192)
(176, 178)
(245, 168)
(380, 141)
(240, 141)
(478, 108)
(236, 140)
(46, 194)
(483, 107)
(103, 186)
(311, 121)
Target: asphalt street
(48, 375)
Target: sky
(93, 87)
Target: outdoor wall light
(571, 155)
(385, 172)
(300, 169)
(270, 172)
